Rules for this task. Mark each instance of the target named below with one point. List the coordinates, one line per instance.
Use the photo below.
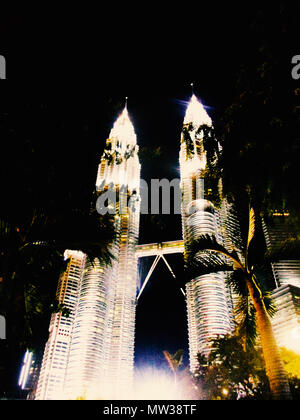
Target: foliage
(211, 146)
(259, 128)
(186, 137)
(32, 257)
(150, 155)
(61, 308)
(116, 156)
(295, 387)
(31, 260)
(231, 371)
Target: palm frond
(246, 319)
(190, 148)
(174, 360)
(236, 283)
(5, 229)
(84, 231)
(205, 263)
(208, 243)
(49, 250)
(251, 229)
(9, 236)
(178, 356)
(169, 359)
(264, 277)
(210, 143)
(233, 232)
(269, 304)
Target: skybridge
(159, 250)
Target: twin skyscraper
(90, 353)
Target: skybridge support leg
(157, 258)
(171, 271)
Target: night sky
(67, 80)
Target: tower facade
(207, 297)
(102, 346)
(286, 272)
(286, 322)
(119, 173)
(52, 375)
(91, 353)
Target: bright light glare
(196, 113)
(291, 340)
(152, 384)
(27, 361)
(225, 392)
(123, 130)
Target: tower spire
(123, 129)
(196, 113)
(192, 86)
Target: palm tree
(174, 361)
(206, 255)
(31, 259)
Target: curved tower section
(208, 308)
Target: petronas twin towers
(90, 353)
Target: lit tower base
(286, 322)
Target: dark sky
(67, 80)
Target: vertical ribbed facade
(208, 306)
(286, 322)
(91, 354)
(86, 360)
(276, 233)
(120, 170)
(102, 347)
(56, 354)
(232, 241)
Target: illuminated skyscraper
(119, 172)
(276, 233)
(286, 322)
(208, 305)
(91, 353)
(56, 354)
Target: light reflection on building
(286, 322)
